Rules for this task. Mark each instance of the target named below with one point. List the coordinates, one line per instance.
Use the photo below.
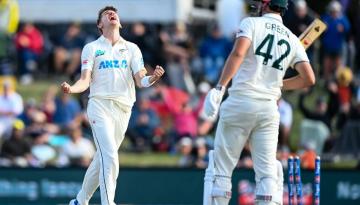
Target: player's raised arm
(142, 80)
(87, 59)
(139, 70)
(80, 85)
(87, 63)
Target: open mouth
(112, 18)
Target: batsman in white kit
(109, 66)
(263, 50)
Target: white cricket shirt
(112, 69)
(273, 49)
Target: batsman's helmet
(279, 3)
(275, 5)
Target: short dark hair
(101, 11)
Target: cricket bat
(312, 32)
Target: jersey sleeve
(245, 29)
(137, 62)
(87, 58)
(300, 54)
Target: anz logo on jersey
(108, 64)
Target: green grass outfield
(148, 159)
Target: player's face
(110, 19)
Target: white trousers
(109, 120)
(241, 119)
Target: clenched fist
(66, 88)
(158, 72)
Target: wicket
(317, 182)
(294, 181)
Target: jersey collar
(275, 16)
(120, 43)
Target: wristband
(145, 82)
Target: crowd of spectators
(51, 133)
(168, 117)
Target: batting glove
(213, 100)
